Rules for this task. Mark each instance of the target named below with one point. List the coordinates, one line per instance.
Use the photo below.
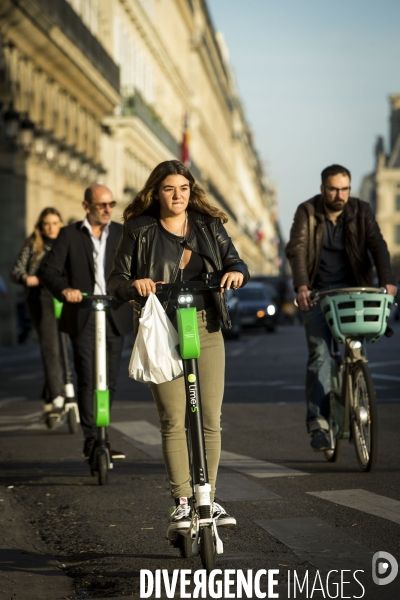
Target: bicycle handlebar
(318, 294)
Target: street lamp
(26, 133)
(11, 124)
(92, 175)
(63, 157)
(84, 170)
(41, 143)
(52, 150)
(74, 163)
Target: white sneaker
(180, 516)
(222, 519)
(58, 404)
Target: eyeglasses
(336, 190)
(103, 205)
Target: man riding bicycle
(335, 242)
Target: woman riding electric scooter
(173, 233)
(40, 305)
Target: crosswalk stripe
(365, 501)
(18, 418)
(236, 487)
(141, 431)
(255, 467)
(251, 383)
(12, 399)
(385, 377)
(143, 435)
(147, 437)
(16, 423)
(316, 542)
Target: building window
(397, 234)
(398, 202)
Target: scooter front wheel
(102, 468)
(51, 422)
(207, 549)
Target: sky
(314, 77)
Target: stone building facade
(103, 90)
(381, 188)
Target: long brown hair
(36, 236)
(145, 203)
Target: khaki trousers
(170, 399)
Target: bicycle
(202, 535)
(355, 316)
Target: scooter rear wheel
(207, 549)
(184, 543)
(72, 421)
(102, 468)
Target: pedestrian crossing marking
(321, 545)
(252, 383)
(236, 487)
(364, 501)
(147, 438)
(255, 467)
(141, 431)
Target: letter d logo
(384, 563)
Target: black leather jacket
(147, 250)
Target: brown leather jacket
(365, 245)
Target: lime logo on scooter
(192, 391)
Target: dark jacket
(145, 250)
(27, 264)
(363, 241)
(70, 264)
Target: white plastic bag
(155, 355)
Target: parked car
(256, 306)
(233, 304)
(277, 286)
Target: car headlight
(271, 309)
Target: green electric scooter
(202, 535)
(100, 456)
(70, 409)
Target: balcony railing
(60, 13)
(134, 105)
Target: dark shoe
(320, 440)
(221, 517)
(87, 448)
(116, 454)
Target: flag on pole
(185, 154)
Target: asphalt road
(63, 536)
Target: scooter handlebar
(192, 286)
(97, 296)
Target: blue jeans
(319, 339)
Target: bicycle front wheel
(364, 417)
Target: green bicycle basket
(357, 315)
